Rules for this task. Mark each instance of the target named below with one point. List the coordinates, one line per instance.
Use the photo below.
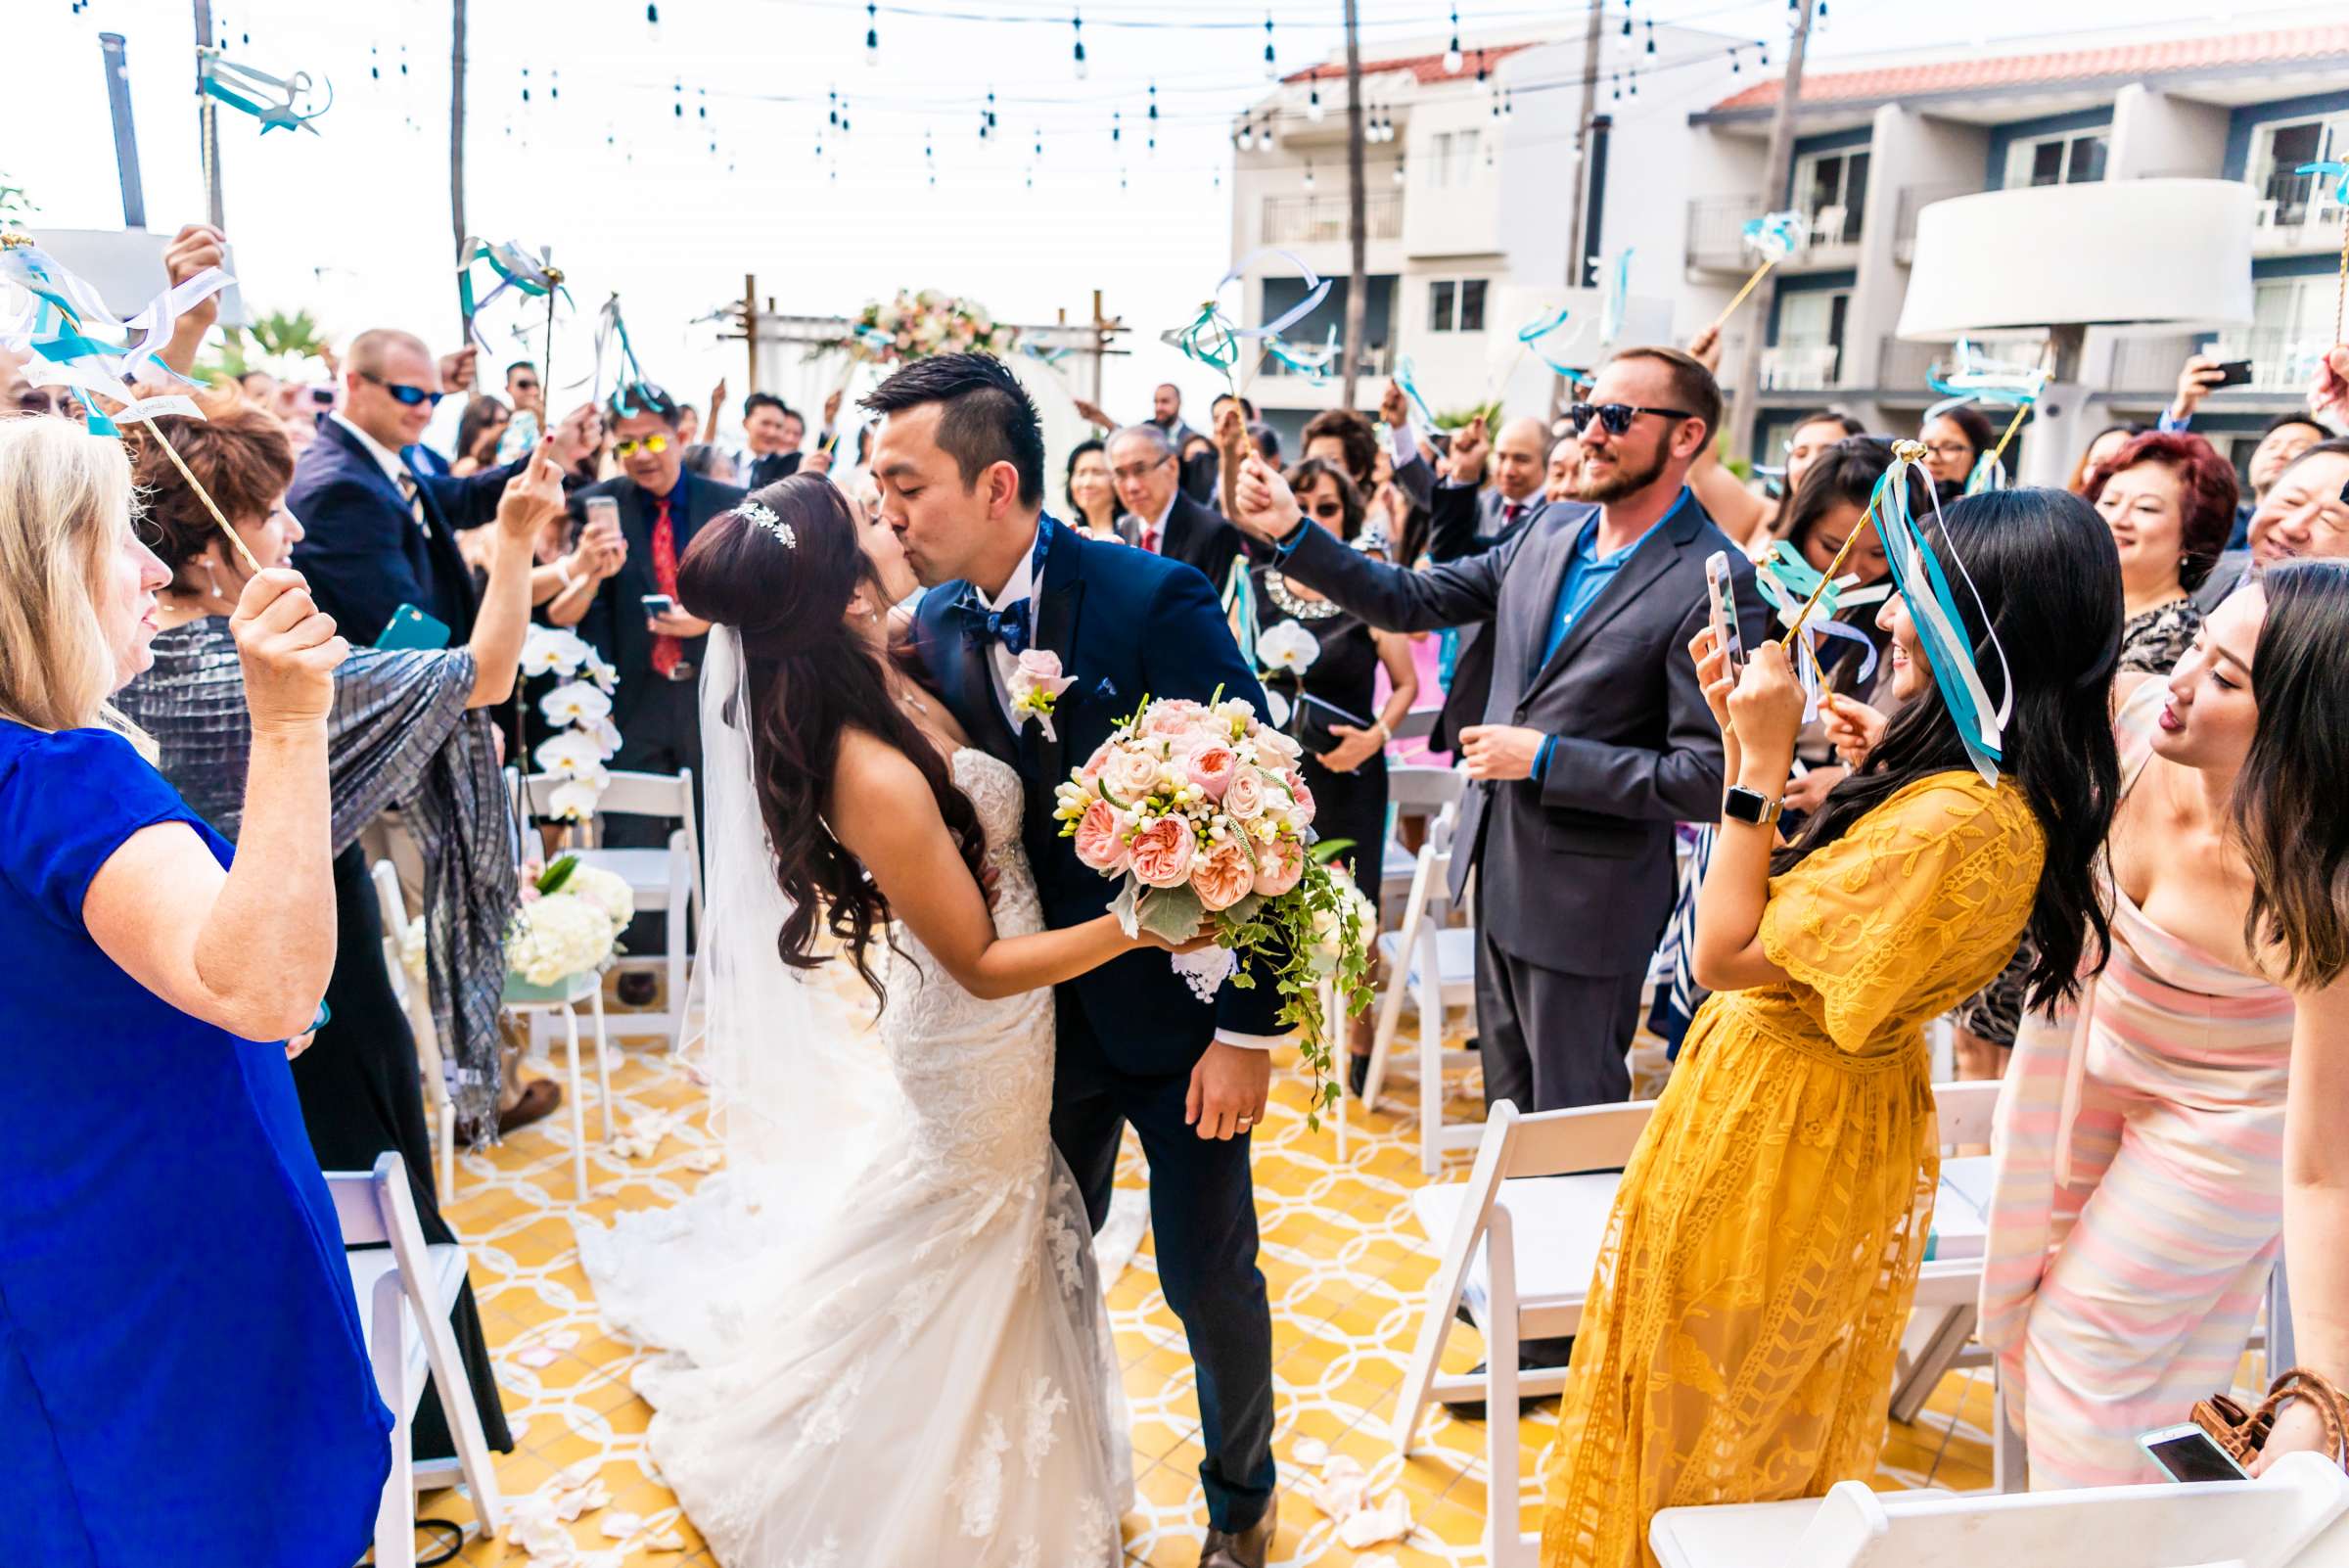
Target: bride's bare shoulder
(873, 780)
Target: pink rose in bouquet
(1211, 767)
(1279, 866)
(1162, 852)
(1301, 796)
(1101, 838)
(1223, 876)
(1132, 773)
(1175, 716)
(1244, 797)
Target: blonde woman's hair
(66, 501)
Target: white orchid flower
(1288, 648)
(574, 702)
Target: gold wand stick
(1906, 451)
(1751, 283)
(202, 494)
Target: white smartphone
(658, 604)
(1720, 596)
(2186, 1452)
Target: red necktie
(1149, 538)
(1508, 514)
(667, 651)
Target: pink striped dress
(2139, 1197)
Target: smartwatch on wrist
(1741, 805)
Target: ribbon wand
(1751, 284)
(1906, 452)
(546, 372)
(235, 539)
(1778, 236)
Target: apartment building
(1878, 140)
(1471, 185)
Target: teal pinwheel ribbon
(1214, 339)
(1409, 382)
(612, 330)
(1789, 582)
(55, 332)
(1616, 299)
(242, 88)
(516, 269)
(1776, 235)
(1314, 364)
(1546, 325)
(2331, 168)
(1919, 577)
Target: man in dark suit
(772, 433)
(378, 532)
(1467, 519)
(1158, 517)
(658, 706)
(1596, 737)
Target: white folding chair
(1949, 1285)
(667, 878)
(406, 1291)
(2267, 1523)
(1414, 794)
(1518, 1242)
(1826, 224)
(1435, 965)
(1417, 724)
(589, 989)
(417, 1006)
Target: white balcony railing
(1800, 367)
(1716, 232)
(1323, 219)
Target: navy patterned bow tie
(1007, 626)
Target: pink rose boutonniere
(1036, 688)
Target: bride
(885, 1334)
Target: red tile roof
(1426, 68)
(2126, 61)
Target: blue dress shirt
(1587, 574)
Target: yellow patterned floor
(1340, 1252)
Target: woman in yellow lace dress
(1748, 1304)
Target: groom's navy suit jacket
(1127, 625)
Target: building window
(2056, 160)
(2281, 148)
(2292, 327)
(1453, 158)
(1455, 304)
(1830, 189)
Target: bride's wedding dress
(921, 1372)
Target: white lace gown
(929, 1379)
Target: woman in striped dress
(2139, 1139)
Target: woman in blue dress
(182, 1374)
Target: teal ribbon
(210, 69)
(612, 327)
(55, 331)
(1532, 332)
(1919, 575)
(1214, 339)
(1410, 389)
(1984, 381)
(1616, 299)
(1800, 579)
(1315, 367)
(2335, 169)
(1776, 235)
(516, 270)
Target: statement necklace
(1277, 587)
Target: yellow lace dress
(1748, 1304)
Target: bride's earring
(211, 577)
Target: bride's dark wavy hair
(2050, 581)
(807, 678)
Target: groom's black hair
(988, 415)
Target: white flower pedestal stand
(563, 997)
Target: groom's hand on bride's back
(1263, 507)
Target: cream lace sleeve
(1917, 890)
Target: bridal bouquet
(1200, 808)
(916, 326)
(568, 921)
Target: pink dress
(2139, 1197)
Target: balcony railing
(2149, 365)
(1800, 367)
(1378, 359)
(2292, 200)
(1323, 219)
(1905, 367)
(2280, 361)
(1914, 199)
(1717, 231)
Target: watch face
(1743, 804)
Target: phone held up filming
(1721, 599)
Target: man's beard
(1623, 482)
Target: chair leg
(464, 1416)
(395, 1516)
(603, 1057)
(578, 1117)
(448, 1153)
(2010, 1459)
(675, 961)
(1427, 1352)
(1431, 1077)
(1505, 1542)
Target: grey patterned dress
(399, 735)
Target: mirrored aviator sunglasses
(405, 394)
(656, 444)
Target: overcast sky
(353, 223)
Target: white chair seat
(1961, 1210)
(1560, 1222)
(446, 1262)
(1455, 957)
(645, 871)
(1748, 1533)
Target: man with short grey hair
(1158, 517)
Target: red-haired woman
(2168, 499)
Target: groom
(959, 459)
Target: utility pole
(126, 138)
(207, 120)
(1358, 206)
(456, 127)
(1578, 270)
(750, 335)
(1777, 171)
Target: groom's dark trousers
(1128, 624)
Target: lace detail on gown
(929, 1377)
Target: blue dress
(182, 1374)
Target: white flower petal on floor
(1388, 1520)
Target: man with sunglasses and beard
(1595, 739)
(379, 532)
(637, 625)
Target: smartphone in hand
(2186, 1452)
(1720, 598)
(657, 605)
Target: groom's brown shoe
(1246, 1549)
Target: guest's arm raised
(531, 498)
(249, 949)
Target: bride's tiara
(760, 515)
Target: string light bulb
(1077, 30)
(1313, 106)
(651, 16)
(1651, 37)
(1481, 73)
(1309, 173)
(1271, 65)
(1398, 171)
(1452, 51)
(1117, 130)
(872, 33)
(1153, 100)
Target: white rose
(1132, 773)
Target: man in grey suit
(1596, 737)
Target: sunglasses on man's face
(403, 394)
(525, 385)
(1616, 418)
(656, 444)
(1327, 508)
